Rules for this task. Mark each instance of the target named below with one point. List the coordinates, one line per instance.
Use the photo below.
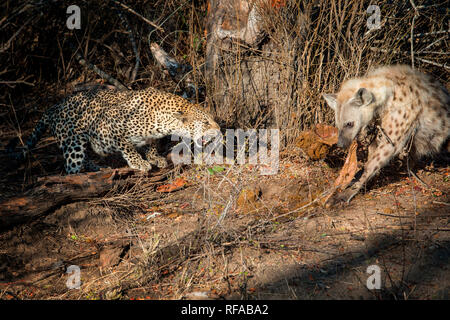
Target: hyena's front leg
(379, 155)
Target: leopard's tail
(39, 130)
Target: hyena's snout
(343, 141)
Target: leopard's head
(197, 124)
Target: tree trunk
(251, 59)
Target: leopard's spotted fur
(118, 121)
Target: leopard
(112, 121)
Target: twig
(16, 82)
(434, 63)
(101, 73)
(92, 86)
(301, 208)
(416, 14)
(394, 216)
(440, 202)
(414, 216)
(433, 43)
(424, 34)
(224, 212)
(434, 52)
(180, 73)
(168, 17)
(445, 65)
(429, 6)
(133, 45)
(138, 15)
(6, 46)
(17, 12)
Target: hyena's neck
(381, 88)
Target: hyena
(408, 110)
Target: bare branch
(101, 73)
(138, 15)
(416, 14)
(133, 45)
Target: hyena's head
(353, 109)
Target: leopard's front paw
(90, 166)
(160, 162)
(142, 166)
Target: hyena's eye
(349, 125)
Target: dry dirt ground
(231, 234)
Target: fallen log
(52, 192)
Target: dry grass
(221, 246)
(315, 44)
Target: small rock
(200, 295)
(110, 256)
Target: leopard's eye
(349, 124)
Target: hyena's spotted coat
(409, 109)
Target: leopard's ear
(183, 116)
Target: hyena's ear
(331, 100)
(364, 97)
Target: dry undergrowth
(232, 233)
(317, 44)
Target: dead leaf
(327, 134)
(248, 200)
(316, 142)
(277, 4)
(110, 256)
(176, 184)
